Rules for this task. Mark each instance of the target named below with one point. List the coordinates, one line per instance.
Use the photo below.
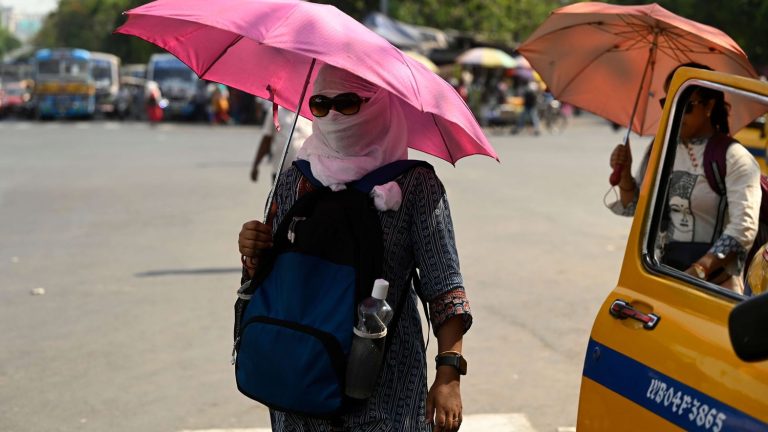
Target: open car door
(660, 356)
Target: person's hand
(254, 237)
(621, 158)
(444, 408)
(255, 173)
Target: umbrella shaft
(650, 64)
(271, 196)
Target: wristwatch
(453, 359)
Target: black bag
(680, 255)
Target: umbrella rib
(413, 80)
(445, 142)
(234, 42)
(676, 50)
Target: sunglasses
(345, 103)
(688, 106)
(691, 103)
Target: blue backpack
(294, 319)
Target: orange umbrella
(613, 60)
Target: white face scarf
(344, 148)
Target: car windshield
(63, 67)
(102, 73)
(165, 74)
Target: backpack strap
(714, 171)
(306, 171)
(714, 161)
(379, 176)
(387, 173)
(415, 282)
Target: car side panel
(606, 412)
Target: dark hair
(689, 64)
(719, 115)
(718, 118)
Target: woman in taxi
(705, 234)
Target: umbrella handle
(615, 177)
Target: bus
(105, 70)
(178, 84)
(64, 85)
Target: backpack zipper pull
(292, 228)
(234, 350)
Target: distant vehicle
(14, 99)
(178, 84)
(105, 69)
(130, 99)
(64, 84)
(135, 70)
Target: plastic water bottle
(367, 352)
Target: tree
(743, 20)
(504, 21)
(8, 42)
(88, 24)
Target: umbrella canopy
(613, 60)
(423, 60)
(266, 47)
(487, 57)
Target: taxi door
(659, 356)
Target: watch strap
(453, 359)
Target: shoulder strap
(379, 176)
(306, 171)
(386, 174)
(714, 161)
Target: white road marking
(513, 422)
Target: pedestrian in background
(273, 140)
(530, 112)
(153, 98)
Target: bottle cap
(380, 289)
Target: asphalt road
(131, 232)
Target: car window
(694, 210)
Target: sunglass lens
(347, 104)
(319, 105)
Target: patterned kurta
(419, 234)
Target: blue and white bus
(64, 84)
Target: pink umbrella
(269, 47)
(613, 60)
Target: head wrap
(343, 148)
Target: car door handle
(620, 309)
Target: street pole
(384, 6)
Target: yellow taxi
(669, 351)
(754, 136)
